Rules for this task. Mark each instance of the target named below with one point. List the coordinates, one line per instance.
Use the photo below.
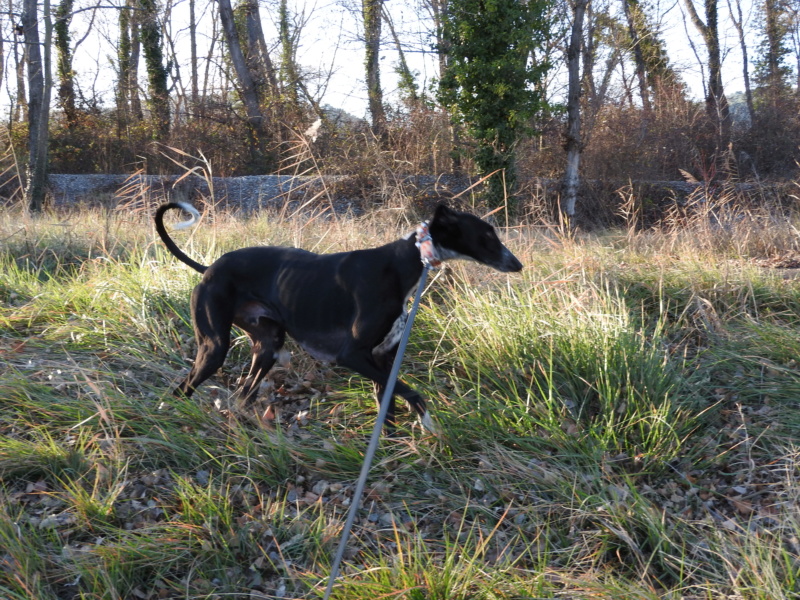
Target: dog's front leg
(365, 365)
(378, 370)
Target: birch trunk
(572, 143)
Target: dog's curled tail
(168, 242)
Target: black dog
(347, 308)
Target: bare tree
(407, 83)
(603, 31)
(716, 103)
(772, 72)
(437, 9)
(195, 98)
(177, 91)
(129, 107)
(243, 75)
(20, 106)
(39, 86)
(215, 34)
(438, 13)
(572, 143)
(247, 87)
(738, 22)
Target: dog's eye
(489, 239)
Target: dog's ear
(443, 213)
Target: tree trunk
(794, 33)
(195, 87)
(20, 106)
(439, 11)
(748, 92)
(123, 70)
(371, 10)
(133, 73)
(180, 99)
(212, 46)
(39, 86)
(719, 104)
(572, 143)
(2, 60)
(66, 76)
(257, 51)
(247, 87)
(716, 103)
(129, 107)
(589, 55)
(156, 71)
(262, 69)
(595, 93)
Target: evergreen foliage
(654, 52)
(489, 86)
(156, 71)
(771, 69)
(66, 87)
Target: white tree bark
(573, 143)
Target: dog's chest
(396, 332)
(393, 337)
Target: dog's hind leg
(210, 357)
(212, 330)
(267, 338)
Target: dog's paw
(283, 357)
(428, 425)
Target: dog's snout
(511, 264)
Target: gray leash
(376, 433)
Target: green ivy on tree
(490, 84)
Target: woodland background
(543, 89)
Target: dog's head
(462, 235)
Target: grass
(617, 421)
